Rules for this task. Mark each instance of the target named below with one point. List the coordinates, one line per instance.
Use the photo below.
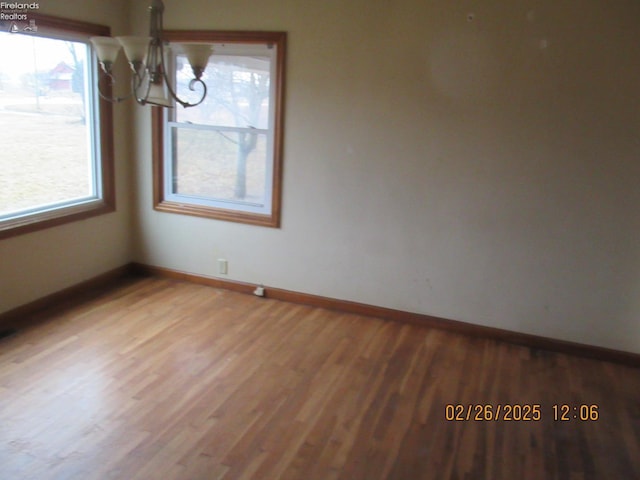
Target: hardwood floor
(159, 379)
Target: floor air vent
(7, 333)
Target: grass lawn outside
(44, 155)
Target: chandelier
(149, 81)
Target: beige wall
(43, 262)
(485, 171)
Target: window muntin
(222, 158)
(56, 162)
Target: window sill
(218, 213)
(54, 217)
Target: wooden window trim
(49, 26)
(157, 119)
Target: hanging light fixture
(150, 82)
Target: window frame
(159, 120)
(47, 217)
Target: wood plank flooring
(159, 379)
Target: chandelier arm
(172, 92)
(112, 81)
(204, 90)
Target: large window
(56, 160)
(222, 159)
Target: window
(223, 158)
(56, 162)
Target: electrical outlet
(223, 266)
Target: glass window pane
(237, 92)
(220, 165)
(44, 123)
